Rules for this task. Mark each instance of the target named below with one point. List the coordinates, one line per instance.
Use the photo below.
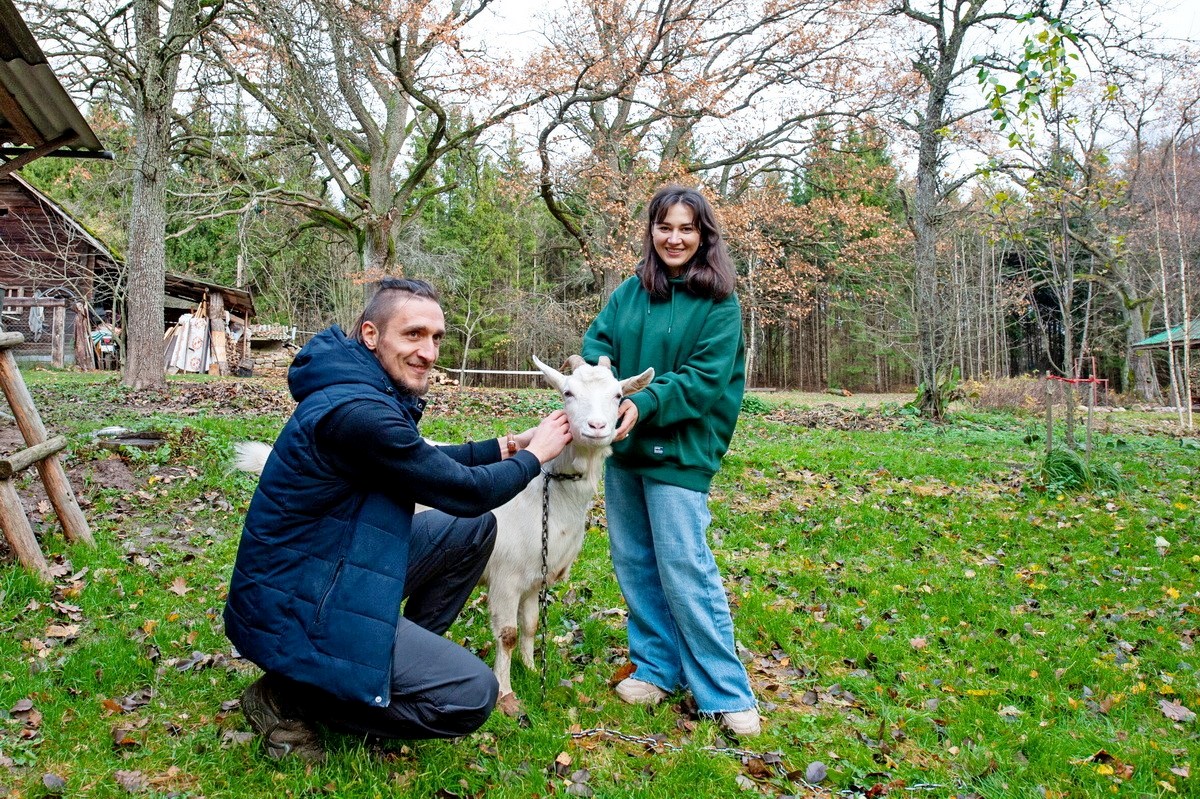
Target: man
(331, 546)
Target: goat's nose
(597, 425)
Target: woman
(678, 314)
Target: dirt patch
(832, 417)
(10, 440)
(111, 473)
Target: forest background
(915, 191)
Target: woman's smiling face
(676, 238)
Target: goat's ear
(631, 385)
(553, 376)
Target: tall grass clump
(1065, 470)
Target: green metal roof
(1174, 335)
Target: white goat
(591, 397)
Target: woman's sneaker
(742, 722)
(639, 692)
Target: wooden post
(58, 330)
(85, 359)
(246, 363)
(216, 324)
(54, 477)
(1087, 447)
(18, 532)
(1049, 415)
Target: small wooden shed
(1176, 339)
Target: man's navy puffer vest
(319, 575)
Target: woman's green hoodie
(687, 415)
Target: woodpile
(273, 362)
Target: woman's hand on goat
(627, 416)
(550, 436)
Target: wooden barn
(51, 269)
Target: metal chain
(544, 590)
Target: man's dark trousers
(439, 689)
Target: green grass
(920, 610)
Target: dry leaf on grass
(1175, 711)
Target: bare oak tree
(133, 51)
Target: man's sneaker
(281, 736)
(742, 722)
(639, 692)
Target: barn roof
(1174, 335)
(239, 301)
(37, 116)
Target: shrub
(754, 406)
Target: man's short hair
(390, 293)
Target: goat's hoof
(510, 706)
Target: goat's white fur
(591, 397)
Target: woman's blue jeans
(680, 629)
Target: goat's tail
(251, 456)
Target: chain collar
(544, 590)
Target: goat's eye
(567, 394)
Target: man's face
(409, 342)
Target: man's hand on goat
(627, 416)
(550, 436)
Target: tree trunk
(147, 253)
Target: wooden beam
(20, 461)
(30, 302)
(18, 532)
(58, 331)
(50, 469)
(9, 167)
(21, 122)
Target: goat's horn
(605, 362)
(576, 361)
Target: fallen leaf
(131, 781)
(124, 737)
(62, 631)
(43, 507)
(510, 705)
(816, 772)
(622, 673)
(918, 643)
(179, 586)
(235, 738)
(1184, 771)
(22, 706)
(1175, 711)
